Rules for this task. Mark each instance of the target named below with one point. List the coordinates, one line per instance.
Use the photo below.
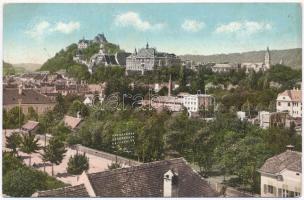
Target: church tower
(267, 60)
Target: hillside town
(60, 126)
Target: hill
(290, 57)
(64, 58)
(27, 66)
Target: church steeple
(147, 46)
(267, 60)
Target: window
(279, 103)
(288, 104)
(270, 189)
(280, 192)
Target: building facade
(148, 59)
(281, 175)
(262, 66)
(291, 101)
(194, 103)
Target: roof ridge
(139, 166)
(64, 187)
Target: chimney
(170, 86)
(78, 115)
(170, 184)
(20, 87)
(289, 147)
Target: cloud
(133, 19)
(38, 30)
(66, 28)
(245, 27)
(192, 25)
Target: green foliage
(29, 145)
(79, 72)
(13, 142)
(11, 118)
(22, 181)
(78, 106)
(8, 69)
(54, 152)
(62, 59)
(77, 164)
(114, 165)
(32, 114)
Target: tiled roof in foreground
(146, 180)
(290, 160)
(71, 191)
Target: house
(281, 175)
(26, 98)
(72, 122)
(221, 68)
(291, 101)
(166, 178)
(194, 103)
(30, 127)
(275, 119)
(148, 59)
(83, 44)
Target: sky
(32, 33)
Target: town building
(26, 98)
(102, 58)
(290, 101)
(223, 67)
(281, 175)
(166, 178)
(261, 66)
(148, 59)
(30, 127)
(275, 119)
(195, 102)
(72, 123)
(83, 44)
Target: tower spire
(147, 45)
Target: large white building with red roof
(291, 101)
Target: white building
(281, 175)
(291, 101)
(264, 119)
(83, 44)
(193, 103)
(262, 66)
(220, 68)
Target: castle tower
(267, 60)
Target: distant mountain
(290, 57)
(27, 66)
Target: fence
(105, 155)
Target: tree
(13, 118)
(54, 152)
(78, 106)
(32, 114)
(60, 107)
(22, 181)
(13, 142)
(29, 145)
(77, 164)
(114, 165)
